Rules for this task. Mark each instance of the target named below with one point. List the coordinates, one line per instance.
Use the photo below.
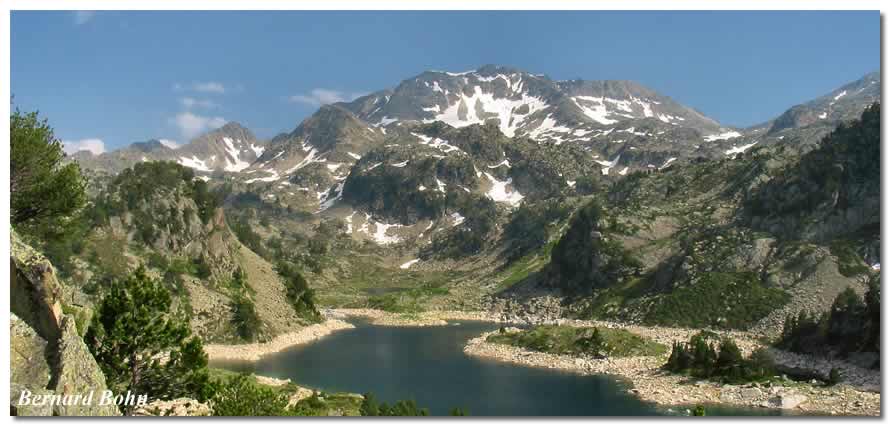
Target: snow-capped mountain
(842, 104)
(231, 148)
(621, 125)
(524, 104)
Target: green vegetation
(719, 299)
(401, 408)
(852, 325)
(241, 396)
(531, 226)
(849, 263)
(247, 236)
(300, 296)
(245, 319)
(45, 195)
(470, 237)
(842, 172)
(701, 358)
(406, 301)
(132, 327)
(585, 258)
(558, 339)
(522, 268)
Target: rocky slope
(47, 354)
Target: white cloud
(94, 145)
(209, 87)
(169, 143)
(324, 96)
(191, 125)
(201, 86)
(189, 103)
(83, 16)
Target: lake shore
(255, 351)
(419, 319)
(648, 382)
(859, 397)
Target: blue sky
(120, 77)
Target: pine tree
(45, 193)
(130, 336)
(369, 406)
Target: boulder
(750, 393)
(787, 401)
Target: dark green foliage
(136, 189)
(842, 172)
(849, 263)
(208, 200)
(247, 236)
(471, 236)
(719, 299)
(576, 340)
(852, 325)
(699, 411)
(239, 396)
(131, 328)
(370, 407)
(45, 194)
(834, 376)
(587, 185)
(585, 258)
(244, 317)
(300, 296)
(530, 226)
(458, 412)
(394, 192)
(701, 358)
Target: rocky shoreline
(255, 351)
(857, 396)
(420, 319)
(650, 383)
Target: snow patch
(195, 163)
(408, 264)
(499, 192)
(740, 149)
(721, 136)
(234, 163)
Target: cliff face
(47, 355)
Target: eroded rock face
(77, 373)
(48, 356)
(34, 291)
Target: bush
(852, 325)
(585, 258)
(131, 327)
(718, 299)
(370, 407)
(239, 396)
(574, 340)
(701, 358)
(834, 377)
(300, 296)
(245, 319)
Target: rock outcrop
(48, 356)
